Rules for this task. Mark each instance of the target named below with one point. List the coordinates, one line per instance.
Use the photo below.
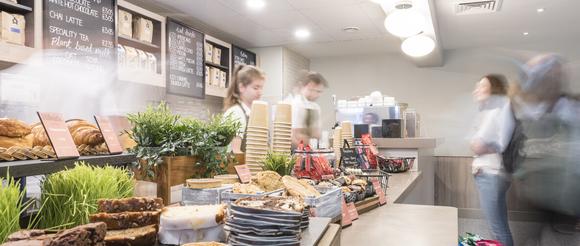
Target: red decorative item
(311, 165)
(488, 243)
(371, 150)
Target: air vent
(473, 7)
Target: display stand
(224, 65)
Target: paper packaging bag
(143, 60)
(212, 78)
(217, 55)
(125, 24)
(217, 77)
(151, 62)
(13, 27)
(223, 76)
(131, 58)
(208, 52)
(207, 75)
(143, 29)
(121, 55)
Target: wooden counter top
(400, 184)
(404, 224)
(405, 143)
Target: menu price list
(185, 55)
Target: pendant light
(418, 45)
(405, 21)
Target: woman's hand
(480, 148)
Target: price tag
(327, 177)
(346, 220)
(244, 173)
(59, 136)
(379, 191)
(352, 211)
(109, 134)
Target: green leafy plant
(70, 196)
(279, 162)
(224, 127)
(11, 207)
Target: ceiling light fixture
(540, 10)
(418, 46)
(526, 33)
(351, 29)
(404, 21)
(256, 4)
(302, 33)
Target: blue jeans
(492, 198)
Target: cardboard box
(223, 79)
(125, 24)
(121, 55)
(217, 77)
(207, 75)
(208, 52)
(217, 55)
(151, 62)
(12, 28)
(143, 29)
(131, 58)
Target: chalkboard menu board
(185, 69)
(83, 29)
(242, 56)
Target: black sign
(242, 56)
(185, 67)
(348, 156)
(84, 30)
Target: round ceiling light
(417, 46)
(256, 4)
(302, 33)
(405, 22)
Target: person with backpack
(492, 135)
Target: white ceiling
(276, 23)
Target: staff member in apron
(247, 85)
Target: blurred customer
(246, 87)
(550, 122)
(492, 136)
(306, 122)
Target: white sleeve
(505, 126)
(236, 113)
(497, 127)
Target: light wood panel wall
(455, 186)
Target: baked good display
(125, 220)
(89, 234)
(268, 180)
(246, 189)
(203, 183)
(13, 128)
(298, 188)
(39, 137)
(287, 204)
(84, 132)
(188, 224)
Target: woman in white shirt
(493, 134)
(246, 86)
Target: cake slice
(141, 236)
(133, 204)
(85, 235)
(126, 220)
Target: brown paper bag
(125, 24)
(12, 28)
(143, 29)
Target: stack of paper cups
(282, 132)
(347, 132)
(257, 136)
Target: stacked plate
(256, 226)
(347, 132)
(305, 221)
(282, 132)
(257, 136)
(337, 143)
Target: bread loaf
(192, 217)
(268, 180)
(39, 137)
(13, 128)
(299, 189)
(84, 132)
(85, 235)
(141, 236)
(133, 204)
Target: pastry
(89, 234)
(359, 182)
(272, 203)
(308, 186)
(39, 137)
(13, 128)
(133, 204)
(246, 189)
(299, 189)
(268, 180)
(141, 236)
(84, 132)
(126, 220)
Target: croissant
(84, 132)
(13, 128)
(39, 137)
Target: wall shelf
(14, 7)
(141, 77)
(40, 167)
(211, 64)
(138, 44)
(215, 91)
(14, 53)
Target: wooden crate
(175, 170)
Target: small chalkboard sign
(244, 173)
(185, 67)
(348, 156)
(243, 56)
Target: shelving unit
(225, 65)
(15, 7)
(11, 54)
(156, 47)
(40, 167)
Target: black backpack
(512, 155)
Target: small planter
(172, 174)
